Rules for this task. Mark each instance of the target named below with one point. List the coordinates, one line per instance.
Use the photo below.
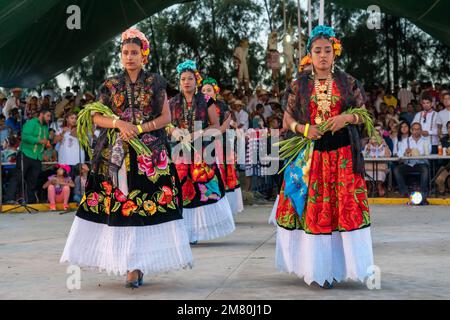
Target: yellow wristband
(139, 127)
(305, 133)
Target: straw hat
(59, 109)
(274, 101)
(262, 92)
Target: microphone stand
(24, 202)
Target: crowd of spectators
(412, 121)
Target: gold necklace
(323, 97)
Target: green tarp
(35, 44)
(432, 16)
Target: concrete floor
(411, 248)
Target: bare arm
(212, 116)
(226, 124)
(45, 186)
(160, 122)
(213, 123)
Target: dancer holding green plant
(130, 218)
(322, 212)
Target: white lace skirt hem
(152, 249)
(235, 200)
(318, 258)
(209, 221)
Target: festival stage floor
(411, 248)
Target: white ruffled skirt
(273, 214)
(319, 258)
(235, 200)
(210, 221)
(152, 249)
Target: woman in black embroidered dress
(130, 218)
(206, 210)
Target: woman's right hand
(314, 133)
(128, 130)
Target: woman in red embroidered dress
(330, 239)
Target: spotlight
(416, 198)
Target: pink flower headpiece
(135, 33)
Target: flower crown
(190, 65)
(213, 83)
(321, 31)
(135, 33)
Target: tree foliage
(207, 31)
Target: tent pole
(299, 21)
(309, 18)
(321, 11)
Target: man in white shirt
(428, 119)
(241, 115)
(405, 96)
(12, 102)
(413, 146)
(444, 116)
(263, 98)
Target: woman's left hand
(336, 123)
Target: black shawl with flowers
(147, 99)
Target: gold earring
(332, 67)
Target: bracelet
(293, 126)
(114, 123)
(154, 124)
(139, 127)
(357, 118)
(305, 133)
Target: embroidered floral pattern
(137, 201)
(201, 172)
(337, 197)
(152, 167)
(188, 190)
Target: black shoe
(424, 202)
(132, 284)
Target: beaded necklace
(138, 99)
(323, 96)
(188, 114)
